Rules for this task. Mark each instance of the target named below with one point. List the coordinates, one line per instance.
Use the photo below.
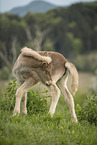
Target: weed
(36, 103)
(7, 101)
(89, 109)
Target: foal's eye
(44, 64)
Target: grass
(41, 129)
(45, 130)
(38, 128)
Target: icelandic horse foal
(50, 68)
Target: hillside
(34, 6)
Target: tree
(36, 43)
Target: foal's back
(58, 64)
(52, 71)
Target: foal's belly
(56, 76)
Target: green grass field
(38, 128)
(41, 129)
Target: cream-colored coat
(50, 68)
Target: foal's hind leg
(55, 97)
(68, 97)
(20, 92)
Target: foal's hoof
(16, 113)
(74, 120)
(51, 115)
(24, 112)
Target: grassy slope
(42, 129)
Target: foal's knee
(19, 92)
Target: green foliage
(35, 102)
(80, 98)
(7, 101)
(38, 128)
(41, 129)
(86, 62)
(73, 44)
(72, 30)
(48, 45)
(72, 25)
(4, 73)
(77, 45)
(89, 110)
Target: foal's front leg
(19, 94)
(55, 97)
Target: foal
(50, 68)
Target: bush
(35, 102)
(7, 101)
(89, 110)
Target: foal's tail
(74, 74)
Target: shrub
(7, 101)
(89, 110)
(35, 102)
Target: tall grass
(38, 128)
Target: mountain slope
(34, 6)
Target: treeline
(71, 31)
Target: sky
(6, 5)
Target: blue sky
(6, 5)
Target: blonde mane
(29, 52)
